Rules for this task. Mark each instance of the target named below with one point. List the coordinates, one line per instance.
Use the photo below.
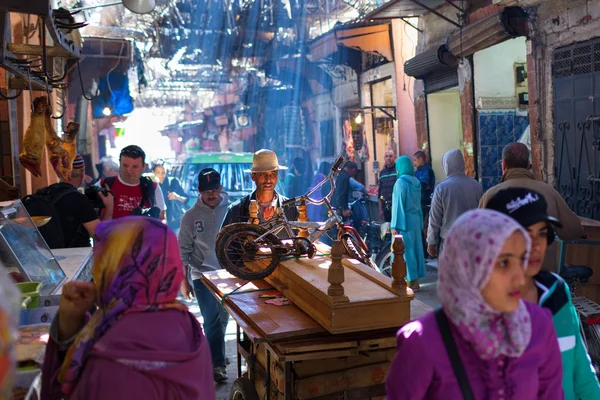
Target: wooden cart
(291, 356)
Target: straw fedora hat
(265, 160)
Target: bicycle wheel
(384, 259)
(592, 333)
(356, 251)
(242, 255)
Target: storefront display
(383, 124)
(24, 251)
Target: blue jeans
(215, 322)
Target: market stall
(26, 257)
(290, 351)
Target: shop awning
(365, 37)
(412, 8)
(98, 57)
(508, 23)
(312, 77)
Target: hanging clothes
(349, 141)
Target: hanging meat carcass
(34, 138)
(54, 144)
(70, 145)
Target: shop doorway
(576, 76)
(445, 127)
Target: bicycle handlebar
(335, 170)
(288, 202)
(337, 164)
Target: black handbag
(457, 365)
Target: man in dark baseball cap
(549, 290)
(208, 180)
(197, 237)
(526, 206)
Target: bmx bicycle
(261, 244)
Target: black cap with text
(525, 206)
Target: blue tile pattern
(496, 130)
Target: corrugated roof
(403, 9)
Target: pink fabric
(473, 243)
(150, 356)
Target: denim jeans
(215, 322)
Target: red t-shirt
(126, 197)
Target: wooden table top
(269, 322)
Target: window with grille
(577, 59)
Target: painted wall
(499, 122)
(445, 127)
(494, 68)
(405, 39)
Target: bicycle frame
(318, 228)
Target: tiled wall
(496, 130)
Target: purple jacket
(422, 370)
(178, 362)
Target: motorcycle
(376, 235)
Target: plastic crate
(31, 289)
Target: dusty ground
(427, 294)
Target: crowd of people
(506, 328)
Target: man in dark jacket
(387, 180)
(265, 173)
(343, 190)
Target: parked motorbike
(376, 235)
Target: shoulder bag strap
(145, 184)
(457, 365)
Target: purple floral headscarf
(137, 268)
(465, 266)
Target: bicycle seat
(577, 273)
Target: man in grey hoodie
(197, 236)
(453, 196)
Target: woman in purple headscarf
(506, 347)
(140, 343)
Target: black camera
(92, 195)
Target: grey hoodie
(198, 234)
(453, 196)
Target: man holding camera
(134, 194)
(74, 218)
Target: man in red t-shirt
(127, 188)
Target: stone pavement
(427, 295)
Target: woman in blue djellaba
(407, 220)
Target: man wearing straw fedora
(265, 174)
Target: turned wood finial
(302, 217)
(398, 265)
(335, 276)
(253, 212)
